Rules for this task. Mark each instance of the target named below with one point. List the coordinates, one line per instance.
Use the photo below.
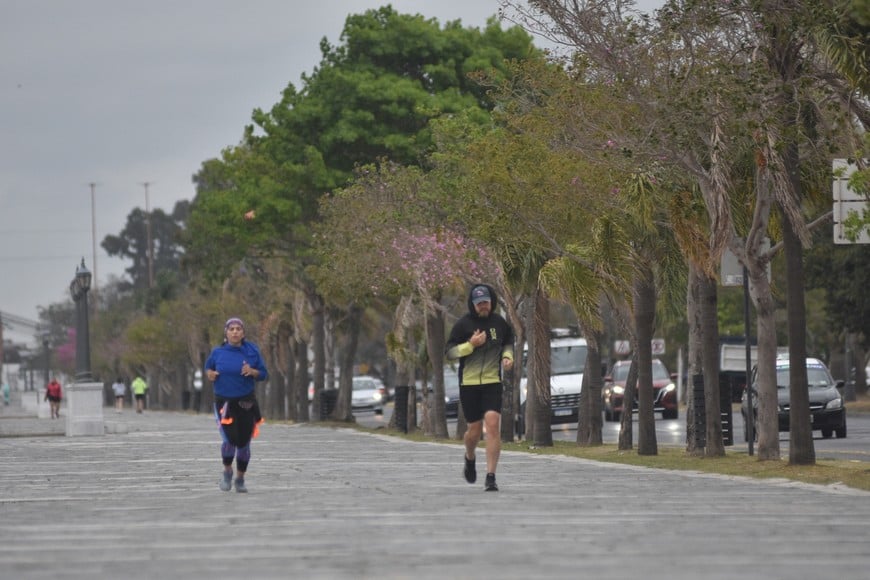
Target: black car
(451, 393)
(827, 410)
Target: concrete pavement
(143, 502)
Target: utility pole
(93, 186)
(148, 231)
(2, 380)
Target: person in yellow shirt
(139, 387)
(483, 343)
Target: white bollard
(84, 409)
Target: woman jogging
(233, 367)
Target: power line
(148, 230)
(15, 320)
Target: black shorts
(476, 400)
(243, 415)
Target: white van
(567, 363)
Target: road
(672, 432)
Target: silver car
(369, 394)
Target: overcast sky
(122, 92)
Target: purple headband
(234, 321)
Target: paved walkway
(143, 502)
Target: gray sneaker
(226, 481)
(240, 485)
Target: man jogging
(483, 343)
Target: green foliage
(843, 272)
(372, 97)
(152, 342)
(132, 242)
(384, 222)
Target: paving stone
(143, 501)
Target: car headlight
(617, 390)
(378, 397)
(834, 404)
(669, 388)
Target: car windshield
(816, 377)
(364, 384)
(620, 372)
(567, 360)
(659, 372)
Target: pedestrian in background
(120, 389)
(233, 367)
(139, 388)
(483, 343)
(54, 394)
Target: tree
(697, 68)
(384, 221)
(371, 97)
(132, 242)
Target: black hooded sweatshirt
(481, 366)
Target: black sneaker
(470, 471)
(490, 483)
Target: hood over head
(479, 292)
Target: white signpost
(846, 202)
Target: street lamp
(78, 288)
(45, 344)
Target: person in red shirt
(53, 395)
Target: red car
(664, 391)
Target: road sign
(848, 202)
(731, 270)
(622, 347)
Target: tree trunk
(860, 356)
(435, 342)
(693, 362)
(538, 394)
(714, 445)
(343, 410)
(589, 423)
(511, 403)
(801, 450)
(318, 345)
(644, 322)
(510, 379)
(302, 379)
(767, 425)
(626, 421)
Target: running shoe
(240, 485)
(490, 484)
(470, 471)
(227, 481)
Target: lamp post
(45, 344)
(78, 288)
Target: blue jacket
(228, 361)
